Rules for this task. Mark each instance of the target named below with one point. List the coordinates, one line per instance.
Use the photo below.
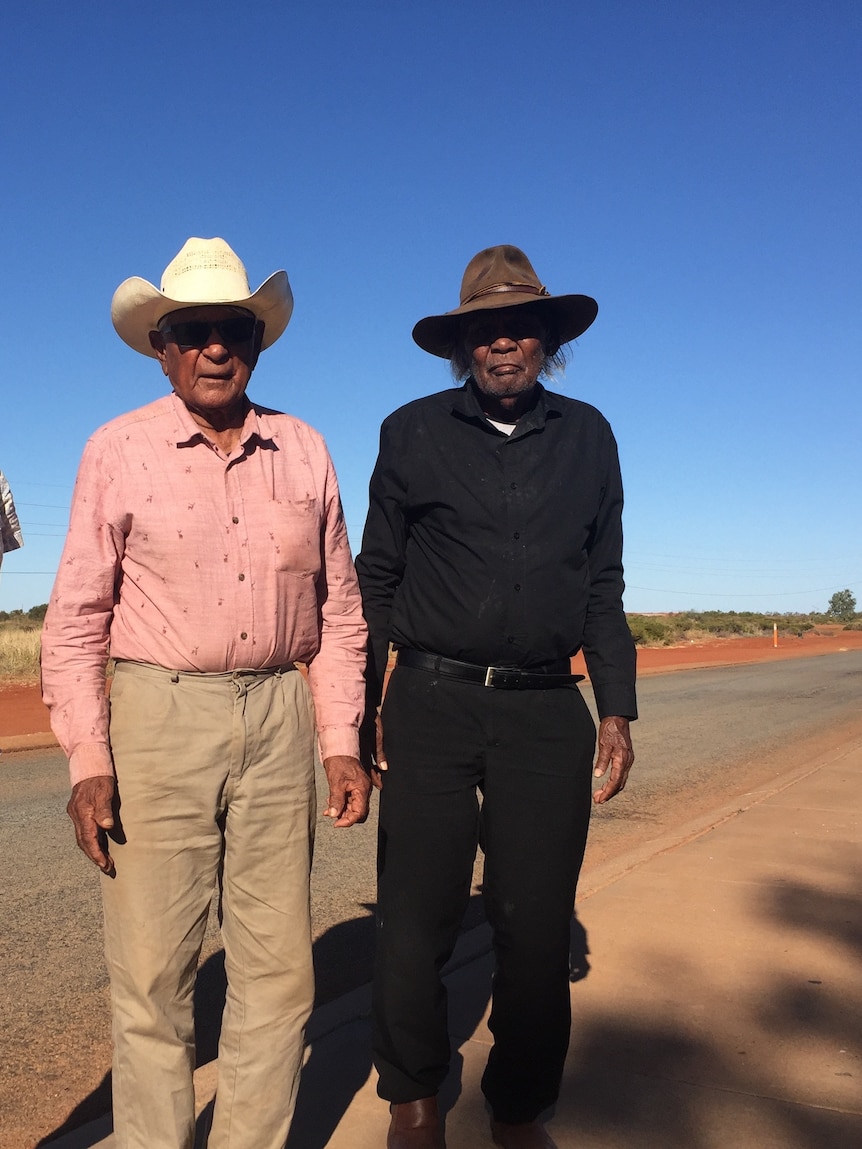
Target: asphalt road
(704, 737)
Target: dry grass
(19, 654)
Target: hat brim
(570, 316)
(138, 307)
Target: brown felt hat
(502, 276)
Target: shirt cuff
(615, 698)
(89, 760)
(338, 740)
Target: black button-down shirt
(499, 550)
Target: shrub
(700, 626)
(650, 631)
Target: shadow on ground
(654, 1079)
(779, 1058)
(342, 962)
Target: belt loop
(175, 677)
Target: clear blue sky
(694, 165)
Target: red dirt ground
(22, 712)
(734, 651)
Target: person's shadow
(339, 1067)
(339, 1057)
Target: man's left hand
(615, 750)
(349, 788)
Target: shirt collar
(466, 405)
(187, 433)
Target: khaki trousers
(215, 778)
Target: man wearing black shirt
(491, 555)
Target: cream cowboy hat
(204, 271)
(502, 276)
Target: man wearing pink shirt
(207, 555)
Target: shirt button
(510, 639)
(243, 635)
(234, 519)
(516, 535)
(242, 578)
(517, 586)
(514, 486)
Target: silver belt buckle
(489, 675)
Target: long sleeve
(380, 563)
(607, 642)
(335, 674)
(77, 625)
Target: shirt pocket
(296, 525)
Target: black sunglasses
(196, 332)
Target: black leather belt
(497, 677)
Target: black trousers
(530, 754)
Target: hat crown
(498, 268)
(205, 269)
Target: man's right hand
(91, 809)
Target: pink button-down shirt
(182, 557)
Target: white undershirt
(506, 428)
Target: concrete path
(717, 1005)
